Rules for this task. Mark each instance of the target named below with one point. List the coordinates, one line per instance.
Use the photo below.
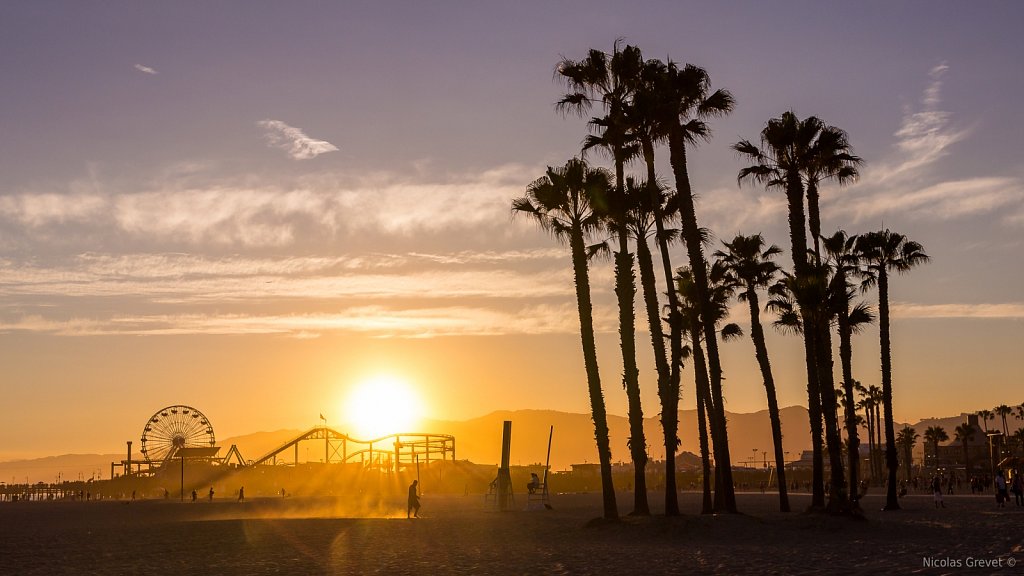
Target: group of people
(1003, 488)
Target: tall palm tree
(643, 117)
(842, 259)
(1018, 438)
(985, 416)
(786, 153)
(882, 252)
(562, 202)
(721, 291)
(965, 433)
(686, 101)
(749, 263)
(599, 78)
(867, 404)
(906, 439)
(934, 435)
(1003, 411)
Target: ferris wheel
(173, 428)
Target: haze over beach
(258, 211)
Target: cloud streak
(906, 184)
(293, 140)
(145, 69)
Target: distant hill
(479, 440)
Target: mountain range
(479, 440)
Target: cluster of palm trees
(966, 432)
(637, 105)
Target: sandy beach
(460, 535)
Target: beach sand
(460, 535)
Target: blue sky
(299, 181)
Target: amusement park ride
(181, 432)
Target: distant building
(950, 456)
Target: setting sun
(382, 405)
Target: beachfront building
(951, 456)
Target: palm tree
(965, 433)
(642, 113)
(563, 202)
(906, 439)
(934, 435)
(985, 416)
(750, 264)
(1003, 411)
(867, 404)
(721, 291)
(842, 258)
(600, 78)
(686, 101)
(787, 152)
(882, 252)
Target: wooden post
(504, 475)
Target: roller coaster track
(390, 452)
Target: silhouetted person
(937, 491)
(414, 500)
(211, 493)
(167, 494)
(241, 493)
(534, 483)
(1017, 487)
(194, 495)
(1001, 495)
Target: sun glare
(380, 406)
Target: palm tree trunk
(814, 216)
(798, 247)
(761, 353)
(891, 461)
(669, 393)
(691, 235)
(625, 290)
(700, 377)
(814, 415)
(597, 407)
(837, 497)
(650, 291)
(852, 436)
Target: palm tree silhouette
(843, 261)
(882, 252)
(934, 435)
(787, 152)
(985, 416)
(750, 266)
(686, 102)
(1003, 411)
(563, 203)
(600, 78)
(720, 292)
(965, 433)
(906, 439)
(644, 117)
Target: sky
(254, 208)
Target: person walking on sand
(211, 493)
(241, 493)
(194, 495)
(1017, 487)
(937, 491)
(1001, 495)
(414, 500)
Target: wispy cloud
(910, 183)
(293, 140)
(186, 209)
(145, 69)
(1009, 310)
